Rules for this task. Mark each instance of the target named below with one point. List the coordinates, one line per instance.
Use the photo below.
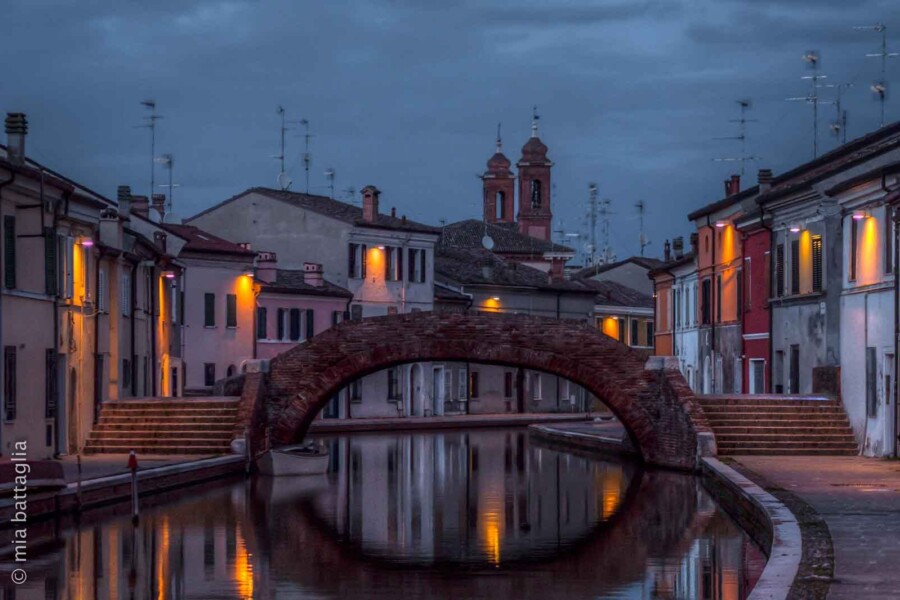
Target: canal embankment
(442, 422)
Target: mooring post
(133, 465)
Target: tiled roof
(477, 266)
(442, 291)
(331, 208)
(592, 271)
(610, 293)
(672, 264)
(290, 281)
(201, 241)
(506, 236)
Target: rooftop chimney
(370, 195)
(312, 274)
(732, 185)
(123, 197)
(695, 242)
(678, 247)
(667, 251)
(764, 179)
(158, 202)
(16, 128)
(557, 271)
(266, 267)
(393, 212)
(140, 206)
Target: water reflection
(450, 515)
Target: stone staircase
(779, 425)
(165, 426)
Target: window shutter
(422, 254)
(9, 252)
(779, 270)
(310, 319)
(261, 325)
(9, 382)
(231, 310)
(795, 267)
(399, 267)
(50, 386)
(388, 260)
(69, 267)
(101, 290)
(209, 310)
(51, 275)
(817, 263)
(411, 275)
(279, 325)
(854, 247)
(126, 294)
(351, 261)
(295, 324)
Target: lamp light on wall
(381, 248)
(169, 274)
(248, 273)
(859, 214)
(495, 298)
(794, 228)
(86, 242)
(720, 223)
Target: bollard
(133, 465)
(78, 484)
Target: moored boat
(294, 460)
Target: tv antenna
(592, 216)
(330, 174)
(307, 157)
(350, 194)
(604, 213)
(880, 87)
(284, 182)
(839, 125)
(811, 59)
(643, 239)
(742, 121)
(169, 161)
(150, 124)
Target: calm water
(459, 515)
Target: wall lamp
(495, 298)
(381, 247)
(794, 228)
(248, 272)
(859, 215)
(86, 242)
(169, 274)
(720, 223)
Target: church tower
(534, 187)
(499, 188)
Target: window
(102, 302)
(356, 391)
(393, 264)
(209, 374)
(310, 323)
(675, 309)
(871, 392)
(535, 194)
(230, 310)
(649, 326)
(779, 270)
(209, 310)
(356, 312)
(50, 384)
(416, 265)
(295, 324)
(757, 376)
(508, 384)
(261, 325)
(393, 382)
(794, 383)
(888, 239)
(854, 232)
(718, 298)
(795, 267)
(9, 382)
(621, 330)
(739, 293)
(126, 375)
(748, 284)
(500, 205)
(51, 268)
(336, 317)
(9, 252)
(705, 301)
(817, 263)
(473, 384)
(281, 324)
(536, 392)
(356, 268)
(126, 294)
(634, 333)
(461, 384)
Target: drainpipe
(762, 222)
(558, 294)
(714, 300)
(96, 311)
(896, 394)
(154, 302)
(3, 184)
(132, 310)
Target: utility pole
(150, 124)
(880, 87)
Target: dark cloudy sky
(406, 94)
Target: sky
(407, 94)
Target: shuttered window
(295, 324)
(50, 387)
(231, 310)
(871, 392)
(9, 252)
(817, 263)
(261, 325)
(888, 239)
(310, 320)
(279, 324)
(795, 267)
(51, 269)
(740, 293)
(102, 291)
(634, 333)
(9, 382)
(779, 270)
(126, 294)
(854, 232)
(705, 302)
(209, 310)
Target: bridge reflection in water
(482, 514)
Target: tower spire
(534, 121)
(499, 139)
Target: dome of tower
(534, 150)
(498, 162)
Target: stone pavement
(441, 422)
(859, 499)
(103, 465)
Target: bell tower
(499, 187)
(534, 186)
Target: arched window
(500, 205)
(535, 194)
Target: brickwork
(656, 407)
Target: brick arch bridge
(655, 405)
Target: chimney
(370, 195)
(312, 274)
(678, 247)
(557, 270)
(158, 202)
(123, 196)
(110, 228)
(140, 206)
(266, 267)
(764, 179)
(667, 251)
(16, 128)
(695, 242)
(733, 185)
(393, 212)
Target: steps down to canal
(779, 425)
(165, 426)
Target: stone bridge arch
(652, 400)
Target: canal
(477, 514)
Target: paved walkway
(859, 499)
(103, 465)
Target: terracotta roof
(291, 281)
(611, 293)
(506, 236)
(869, 175)
(477, 266)
(447, 294)
(594, 270)
(329, 207)
(201, 241)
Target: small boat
(307, 459)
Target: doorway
(437, 392)
(72, 410)
(414, 397)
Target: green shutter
(279, 325)
(9, 251)
(209, 310)
(51, 272)
(231, 310)
(309, 323)
(261, 325)
(295, 324)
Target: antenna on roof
(592, 215)
(284, 182)
(838, 127)
(330, 175)
(643, 239)
(811, 58)
(605, 213)
(499, 139)
(742, 121)
(535, 117)
(151, 125)
(169, 161)
(880, 87)
(307, 157)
